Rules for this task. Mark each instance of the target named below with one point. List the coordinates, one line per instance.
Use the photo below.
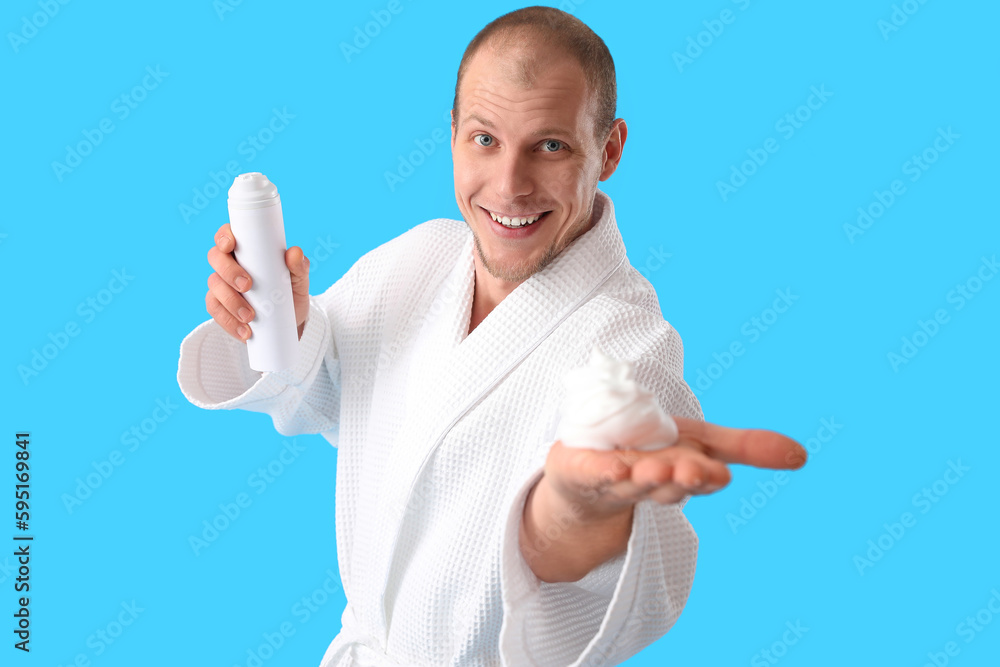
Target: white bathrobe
(442, 433)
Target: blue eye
(475, 138)
(553, 141)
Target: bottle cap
(252, 190)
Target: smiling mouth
(515, 222)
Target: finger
(295, 261)
(684, 466)
(595, 468)
(225, 319)
(754, 447)
(298, 268)
(224, 238)
(622, 494)
(232, 300)
(666, 475)
(692, 476)
(628, 492)
(668, 494)
(228, 269)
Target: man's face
(521, 152)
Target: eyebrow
(548, 131)
(479, 119)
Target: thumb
(298, 268)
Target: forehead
(526, 84)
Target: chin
(517, 269)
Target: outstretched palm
(609, 482)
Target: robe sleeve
(616, 610)
(214, 373)
(624, 604)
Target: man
(466, 535)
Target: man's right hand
(224, 300)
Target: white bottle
(259, 233)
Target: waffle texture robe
(442, 433)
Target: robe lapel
(453, 371)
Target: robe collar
(535, 307)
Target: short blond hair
(556, 28)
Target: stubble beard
(522, 270)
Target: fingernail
(223, 241)
(245, 314)
(242, 283)
(243, 332)
(303, 262)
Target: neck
(489, 291)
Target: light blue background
(825, 358)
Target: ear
(613, 148)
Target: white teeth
(513, 223)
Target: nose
(513, 176)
